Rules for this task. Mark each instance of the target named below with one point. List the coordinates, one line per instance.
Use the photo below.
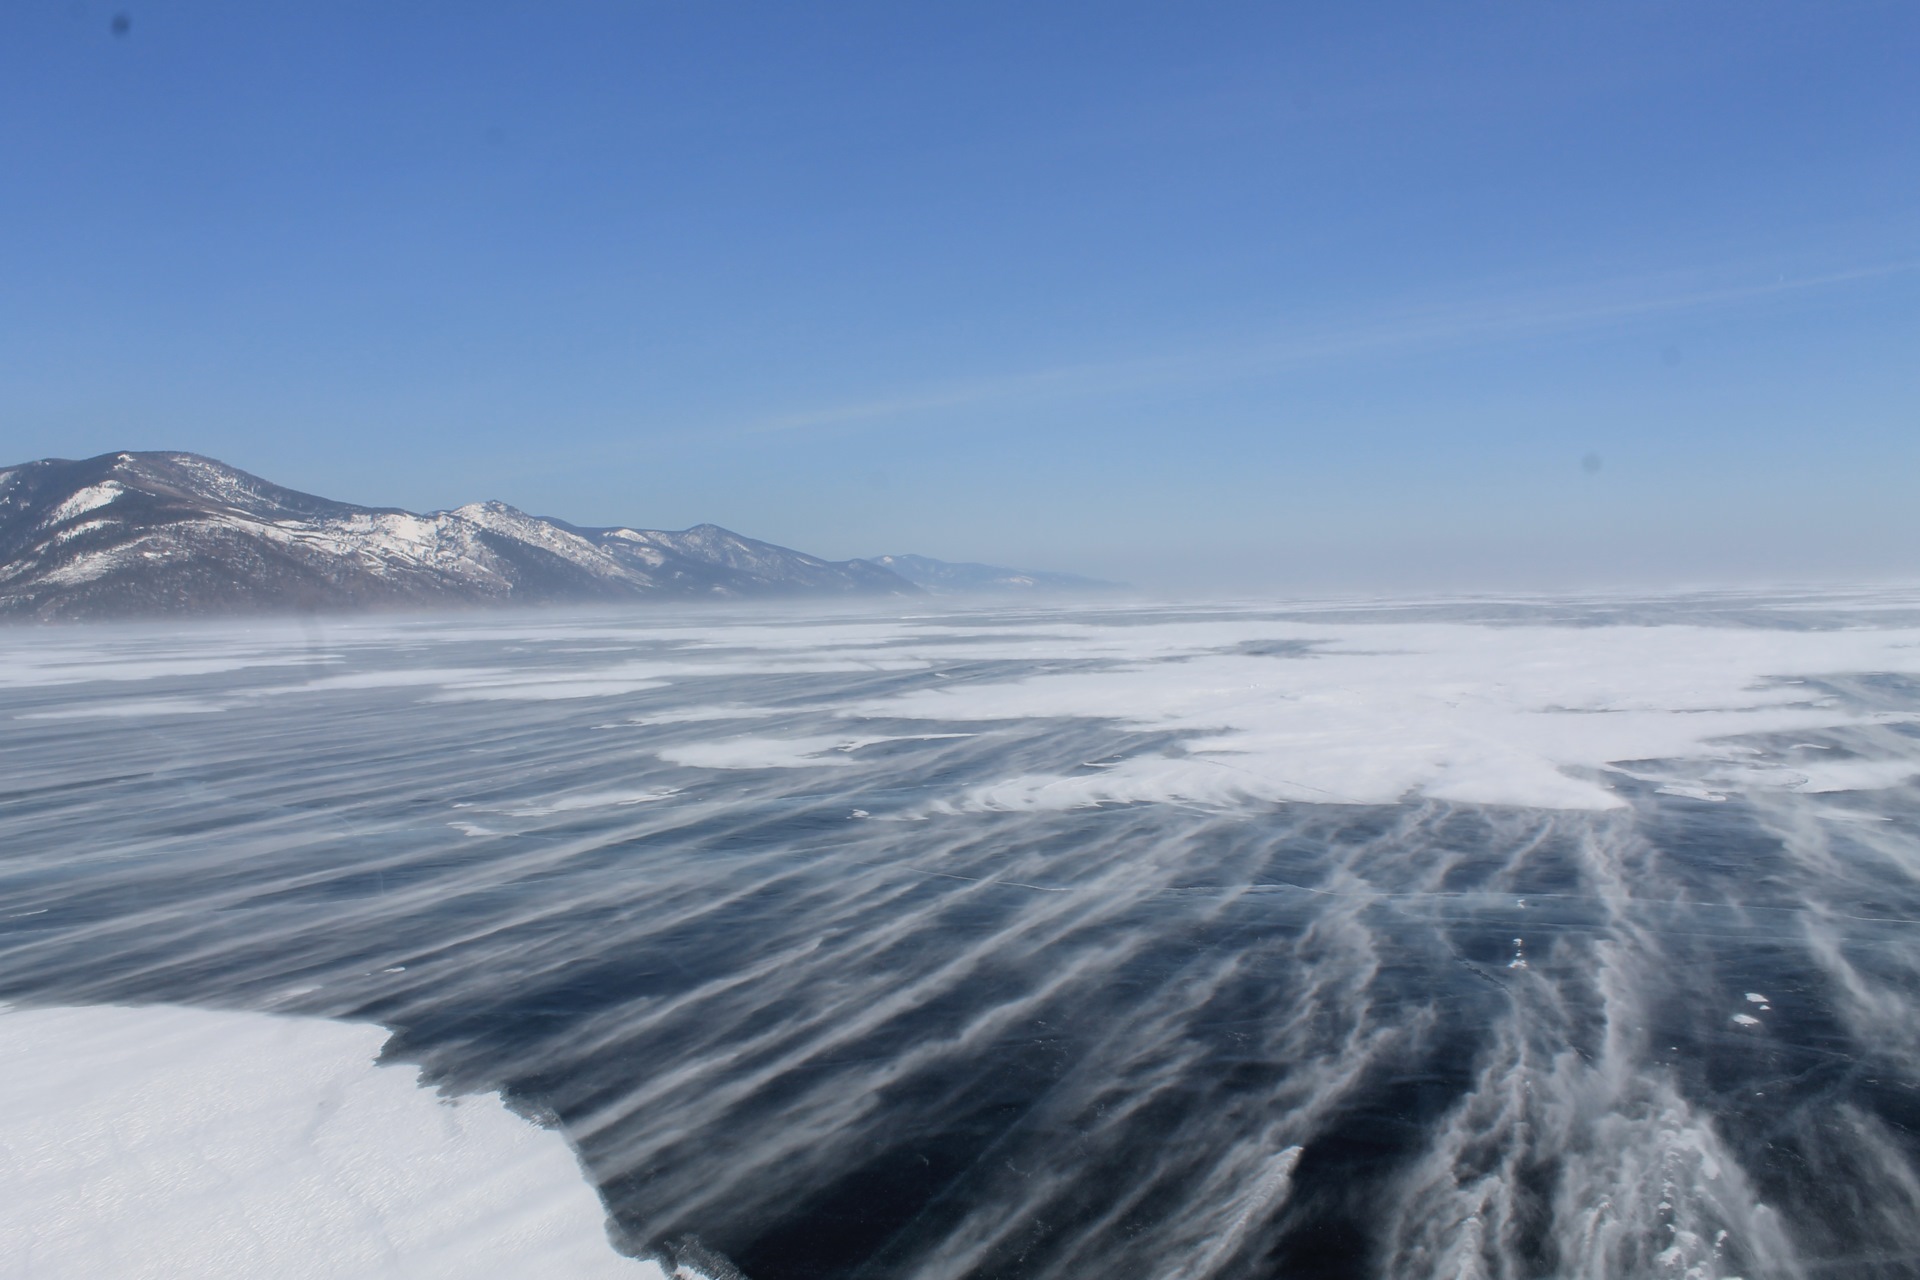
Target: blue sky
(1268, 296)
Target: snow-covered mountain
(947, 577)
(130, 534)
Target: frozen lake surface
(1488, 939)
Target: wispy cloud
(1453, 323)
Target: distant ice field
(1487, 938)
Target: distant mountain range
(945, 577)
(139, 534)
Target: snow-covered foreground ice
(1496, 939)
(165, 1142)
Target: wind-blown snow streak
(1498, 939)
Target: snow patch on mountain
(91, 498)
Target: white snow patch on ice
(1499, 715)
(639, 675)
(130, 707)
(1254, 708)
(591, 800)
(1855, 775)
(26, 660)
(758, 753)
(401, 678)
(163, 1142)
(1690, 791)
(554, 689)
(694, 715)
(782, 753)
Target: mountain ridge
(133, 534)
